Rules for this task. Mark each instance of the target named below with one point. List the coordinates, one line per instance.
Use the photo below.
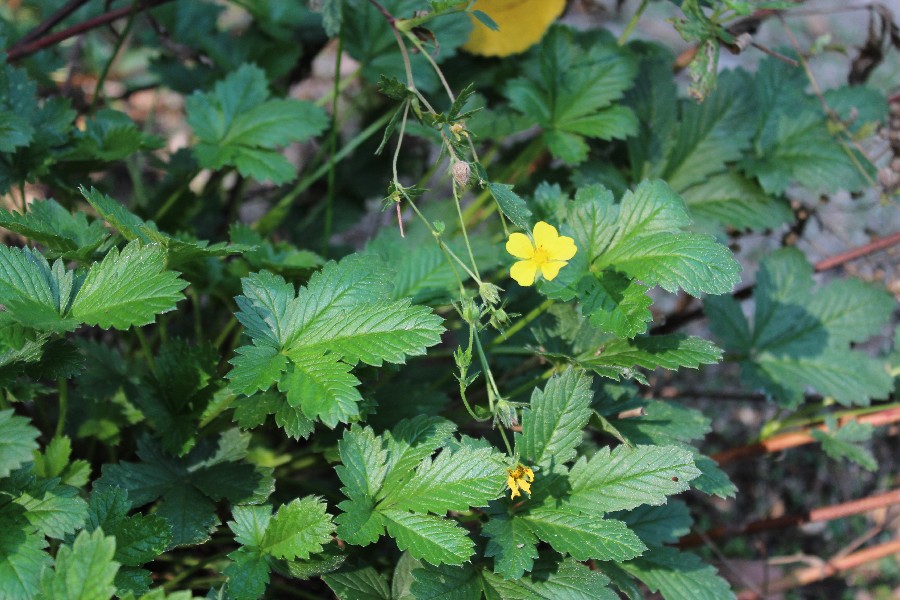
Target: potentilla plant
(224, 375)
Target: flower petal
(545, 235)
(520, 246)
(523, 272)
(563, 249)
(551, 269)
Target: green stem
(443, 246)
(462, 225)
(22, 195)
(98, 90)
(631, 24)
(531, 316)
(63, 387)
(275, 215)
(332, 144)
(226, 331)
(525, 387)
(509, 451)
(198, 315)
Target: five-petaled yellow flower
(549, 252)
(519, 478)
(522, 24)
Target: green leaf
(658, 525)
(678, 575)
(300, 528)
(238, 125)
(800, 336)
(56, 512)
(667, 351)
(364, 463)
(734, 200)
(583, 537)
(332, 16)
(569, 88)
(322, 387)
(14, 132)
(24, 557)
(626, 478)
(845, 442)
(128, 289)
(615, 303)
(429, 538)
(567, 580)
(340, 318)
(49, 224)
(411, 441)
(712, 133)
(35, 295)
(17, 442)
(54, 462)
(553, 422)
(512, 205)
(141, 538)
(84, 570)
(800, 148)
(248, 575)
(643, 238)
(664, 423)
(511, 543)
(358, 583)
(467, 477)
(445, 583)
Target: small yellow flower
(519, 478)
(549, 252)
(522, 24)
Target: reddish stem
(783, 441)
(824, 513)
(54, 38)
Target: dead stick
(51, 22)
(832, 567)
(54, 38)
(783, 441)
(824, 513)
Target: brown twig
(824, 513)
(50, 22)
(98, 21)
(784, 441)
(677, 321)
(829, 568)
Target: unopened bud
(461, 172)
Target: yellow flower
(522, 24)
(519, 478)
(550, 252)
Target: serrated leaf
(54, 462)
(250, 524)
(322, 387)
(678, 575)
(255, 368)
(33, 293)
(845, 442)
(511, 204)
(552, 425)
(190, 514)
(734, 200)
(568, 90)
(358, 583)
(128, 289)
(84, 570)
(454, 480)
(300, 528)
(567, 580)
(141, 538)
(800, 337)
(583, 537)
(445, 583)
(650, 352)
(712, 479)
(625, 478)
(429, 538)
(56, 512)
(363, 463)
(24, 557)
(242, 130)
(615, 303)
(411, 441)
(17, 441)
(51, 225)
(248, 575)
(511, 543)
(658, 525)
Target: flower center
(541, 256)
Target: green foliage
(801, 337)
(239, 125)
(166, 287)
